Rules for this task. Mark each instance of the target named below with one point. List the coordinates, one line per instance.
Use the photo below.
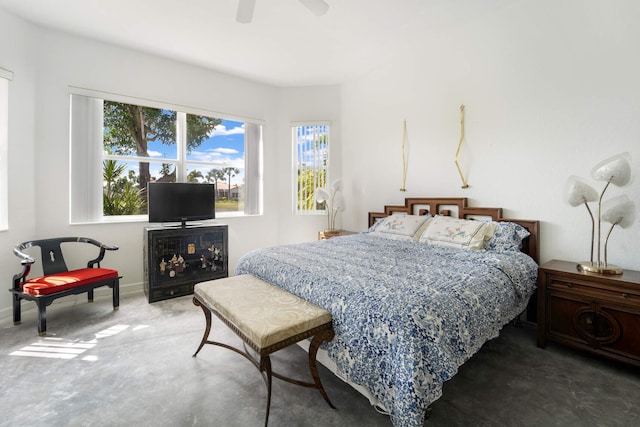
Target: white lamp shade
(322, 195)
(616, 169)
(619, 211)
(578, 192)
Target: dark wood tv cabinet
(596, 313)
(176, 258)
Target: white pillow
(457, 233)
(400, 227)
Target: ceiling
(285, 45)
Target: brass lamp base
(588, 267)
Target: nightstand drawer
(595, 291)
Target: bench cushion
(58, 282)
(265, 313)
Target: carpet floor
(134, 366)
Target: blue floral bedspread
(406, 315)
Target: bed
(412, 298)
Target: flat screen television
(180, 202)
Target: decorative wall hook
(464, 181)
(405, 158)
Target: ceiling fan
(245, 9)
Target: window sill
(125, 219)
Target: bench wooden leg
(265, 366)
(207, 329)
(313, 351)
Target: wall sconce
(618, 211)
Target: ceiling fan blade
(245, 11)
(317, 7)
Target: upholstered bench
(267, 319)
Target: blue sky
(225, 145)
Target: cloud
(205, 156)
(155, 153)
(221, 130)
(218, 155)
(223, 150)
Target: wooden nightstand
(592, 312)
(324, 235)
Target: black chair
(58, 281)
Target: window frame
(295, 145)
(79, 214)
(6, 77)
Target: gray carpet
(134, 367)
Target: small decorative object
(405, 158)
(619, 211)
(464, 181)
(214, 252)
(333, 203)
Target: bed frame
(453, 206)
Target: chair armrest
(25, 259)
(103, 249)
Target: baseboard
(98, 294)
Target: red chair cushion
(53, 283)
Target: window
(310, 164)
(5, 77)
(111, 172)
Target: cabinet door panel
(628, 343)
(560, 311)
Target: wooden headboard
(457, 206)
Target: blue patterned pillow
(375, 225)
(508, 237)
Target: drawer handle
(625, 296)
(569, 285)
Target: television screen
(180, 201)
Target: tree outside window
(144, 144)
(311, 165)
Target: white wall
(46, 63)
(16, 44)
(550, 88)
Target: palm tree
(120, 195)
(215, 175)
(194, 175)
(165, 169)
(231, 172)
